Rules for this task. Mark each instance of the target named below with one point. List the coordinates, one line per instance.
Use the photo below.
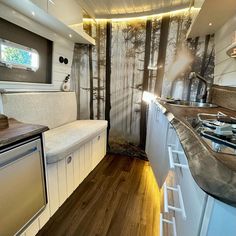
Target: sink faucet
(204, 97)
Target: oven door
(22, 186)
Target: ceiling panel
(128, 8)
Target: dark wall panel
(16, 34)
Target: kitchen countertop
(18, 131)
(214, 172)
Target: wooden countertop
(18, 131)
(214, 172)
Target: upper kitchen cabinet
(212, 15)
(41, 3)
(57, 15)
(69, 11)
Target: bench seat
(64, 140)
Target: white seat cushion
(63, 140)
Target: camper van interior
(117, 118)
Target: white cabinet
(53, 188)
(64, 176)
(188, 210)
(184, 201)
(69, 12)
(41, 3)
(77, 167)
(62, 180)
(99, 144)
(70, 174)
(192, 198)
(156, 143)
(219, 219)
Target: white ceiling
(130, 8)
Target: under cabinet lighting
(70, 35)
(210, 24)
(33, 13)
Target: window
(13, 55)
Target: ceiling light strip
(145, 17)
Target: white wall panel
(225, 67)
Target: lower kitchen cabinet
(187, 209)
(184, 201)
(194, 198)
(64, 176)
(219, 219)
(189, 200)
(156, 142)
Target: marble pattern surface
(18, 131)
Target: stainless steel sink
(192, 104)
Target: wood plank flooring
(119, 198)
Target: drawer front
(194, 201)
(193, 197)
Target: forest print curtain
(137, 49)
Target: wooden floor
(119, 198)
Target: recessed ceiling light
(210, 24)
(70, 35)
(33, 13)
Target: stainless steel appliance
(22, 185)
(217, 130)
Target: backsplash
(224, 96)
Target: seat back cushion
(52, 109)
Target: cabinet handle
(172, 222)
(10, 159)
(171, 159)
(157, 113)
(69, 159)
(99, 137)
(168, 207)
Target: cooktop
(217, 130)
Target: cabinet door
(69, 12)
(82, 173)
(41, 3)
(87, 158)
(219, 219)
(156, 146)
(98, 148)
(102, 148)
(70, 174)
(62, 183)
(53, 188)
(194, 199)
(77, 178)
